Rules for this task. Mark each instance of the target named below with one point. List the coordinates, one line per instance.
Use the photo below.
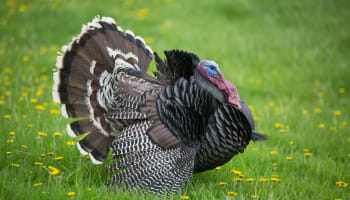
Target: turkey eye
(212, 68)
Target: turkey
(187, 118)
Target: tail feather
(96, 145)
(80, 127)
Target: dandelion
(275, 180)
(8, 153)
(39, 93)
(148, 40)
(249, 179)
(7, 116)
(348, 139)
(37, 184)
(59, 158)
(142, 13)
(15, 165)
(57, 134)
(222, 183)
(252, 196)
(42, 134)
(38, 163)
(9, 141)
(55, 111)
(232, 193)
(71, 143)
(7, 93)
(279, 125)
(307, 154)
(42, 155)
(337, 113)
(29, 125)
(2, 102)
(44, 192)
(264, 180)
(40, 107)
(273, 152)
(344, 124)
(32, 100)
(341, 90)
(55, 172)
(50, 153)
(185, 197)
(236, 172)
(274, 164)
(306, 150)
(87, 157)
(275, 175)
(24, 116)
(24, 146)
(256, 118)
(218, 168)
(291, 142)
(254, 149)
(341, 184)
(238, 179)
(289, 158)
(282, 130)
(317, 110)
(89, 189)
(321, 126)
(71, 194)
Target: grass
(289, 59)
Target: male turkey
(160, 130)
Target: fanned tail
(85, 81)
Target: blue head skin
(212, 68)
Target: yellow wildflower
(317, 110)
(24, 146)
(282, 130)
(43, 192)
(8, 153)
(291, 142)
(341, 90)
(38, 163)
(321, 126)
(306, 150)
(238, 179)
(15, 165)
(89, 189)
(274, 164)
(275, 175)
(279, 125)
(71, 194)
(307, 154)
(341, 184)
(54, 111)
(52, 168)
(222, 183)
(2, 102)
(344, 124)
(45, 104)
(37, 184)
(337, 112)
(32, 100)
(87, 157)
(7, 93)
(264, 180)
(24, 116)
(42, 155)
(289, 158)
(256, 118)
(142, 13)
(7, 116)
(185, 197)
(30, 125)
(273, 152)
(236, 172)
(50, 153)
(71, 143)
(8, 70)
(57, 134)
(39, 93)
(59, 158)
(232, 193)
(9, 141)
(40, 107)
(12, 133)
(217, 168)
(275, 180)
(249, 179)
(42, 134)
(148, 40)
(253, 196)
(254, 149)
(55, 172)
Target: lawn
(290, 61)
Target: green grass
(286, 57)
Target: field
(290, 61)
